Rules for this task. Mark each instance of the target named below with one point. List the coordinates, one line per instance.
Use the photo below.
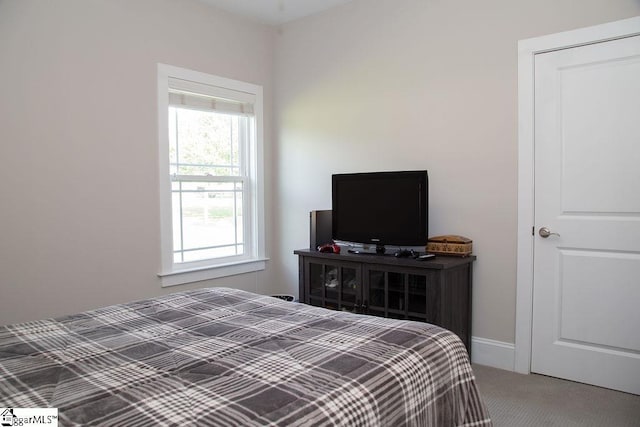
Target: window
(210, 134)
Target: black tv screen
(381, 208)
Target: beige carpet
(535, 400)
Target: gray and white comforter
(226, 357)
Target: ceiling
(275, 12)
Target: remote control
(425, 257)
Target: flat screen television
(381, 208)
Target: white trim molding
(496, 354)
(527, 50)
(207, 273)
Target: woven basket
(450, 245)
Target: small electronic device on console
(331, 248)
(404, 253)
(410, 253)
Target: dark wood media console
(436, 291)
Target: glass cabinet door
(396, 297)
(424, 297)
(316, 280)
(376, 293)
(386, 294)
(350, 288)
(401, 295)
(333, 285)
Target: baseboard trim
(497, 354)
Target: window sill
(181, 277)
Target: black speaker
(320, 228)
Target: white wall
(78, 142)
(372, 85)
(416, 84)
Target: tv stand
(436, 291)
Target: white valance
(198, 96)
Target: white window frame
(254, 258)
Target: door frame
(527, 49)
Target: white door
(586, 294)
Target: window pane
(209, 253)
(205, 142)
(209, 220)
(177, 228)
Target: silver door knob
(545, 232)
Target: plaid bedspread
(225, 357)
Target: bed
(227, 357)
